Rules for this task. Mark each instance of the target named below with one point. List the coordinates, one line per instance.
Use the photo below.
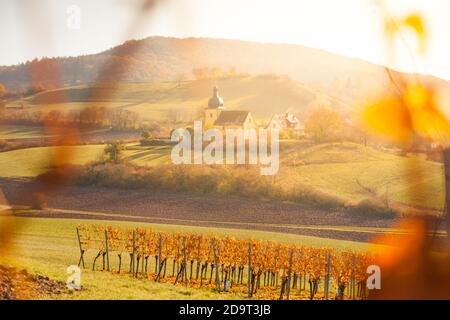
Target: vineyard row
(228, 263)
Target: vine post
(216, 263)
(107, 249)
(288, 291)
(81, 261)
(185, 262)
(249, 290)
(327, 276)
(159, 254)
(133, 252)
(353, 277)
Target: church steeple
(215, 102)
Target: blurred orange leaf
(427, 120)
(416, 23)
(400, 117)
(413, 22)
(389, 117)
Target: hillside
(354, 173)
(168, 59)
(263, 95)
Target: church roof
(231, 117)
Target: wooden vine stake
(327, 277)
(216, 265)
(353, 277)
(185, 262)
(133, 252)
(81, 261)
(249, 288)
(159, 254)
(288, 291)
(107, 249)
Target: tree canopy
(324, 125)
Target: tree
(232, 72)
(207, 73)
(324, 125)
(146, 135)
(113, 151)
(54, 117)
(199, 73)
(216, 73)
(287, 134)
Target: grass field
(148, 155)
(34, 161)
(348, 171)
(355, 172)
(21, 132)
(48, 246)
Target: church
(217, 117)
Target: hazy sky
(36, 28)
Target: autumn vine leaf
(416, 23)
(428, 120)
(413, 22)
(388, 117)
(413, 109)
(414, 112)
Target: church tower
(215, 107)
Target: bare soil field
(200, 210)
(19, 284)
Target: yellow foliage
(414, 112)
(230, 254)
(324, 124)
(412, 22)
(428, 119)
(389, 117)
(416, 23)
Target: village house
(217, 117)
(286, 121)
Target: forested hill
(169, 59)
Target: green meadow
(354, 173)
(14, 132)
(31, 162)
(348, 171)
